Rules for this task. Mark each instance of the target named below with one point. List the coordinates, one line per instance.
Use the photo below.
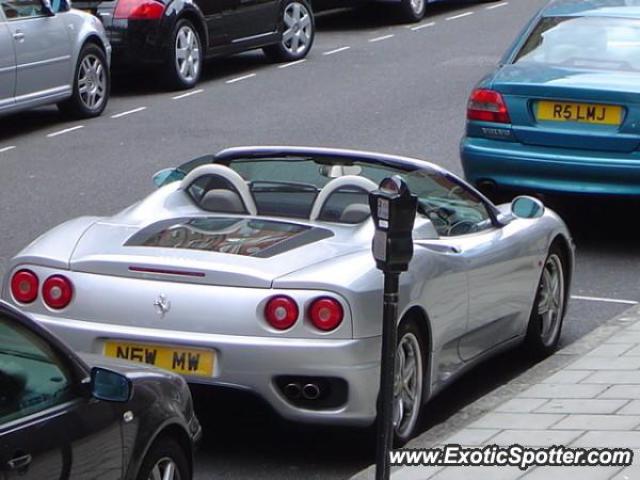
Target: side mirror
(527, 207)
(110, 386)
(48, 8)
(167, 176)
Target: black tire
(536, 345)
(305, 28)
(165, 448)
(408, 329)
(79, 104)
(412, 11)
(177, 78)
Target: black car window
(17, 9)
(31, 378)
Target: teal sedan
(561, 113)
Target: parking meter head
(393, 209)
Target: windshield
(296, 187)
(604, 43)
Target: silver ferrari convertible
(252, 269)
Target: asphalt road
(368, 84)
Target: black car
(62, 416)
(177, 35)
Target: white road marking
(66, 130)
(497, 5)
(291, 64)
(455, 17)
(379, 39)
(6, 149)
(128, 112)
(239, 79)
(188, 94)
(605, 300)
(420, 27)
(337, 50)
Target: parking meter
(393, 209)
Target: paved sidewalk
(593, 400)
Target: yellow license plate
(579, 112)
(184, 360)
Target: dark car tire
(185, 56)
(539, 343)
(165, 449)
(412, 11)
(92, 76)
(297, 37)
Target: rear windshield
(603, 43)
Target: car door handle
(19, 36)
(19, 462)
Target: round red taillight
(24, 286)
(326, 314)
(281, 312)
(57, 292)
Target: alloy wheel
(417, 6)
(164, 469)
(407, 385)
(187, 53)
(551, 300)
(298, 32)
(92, 82)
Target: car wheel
(547, 315)
(184, 64)
(408, 385)
(166, 460)
(298, 33)
(412, 11)
(91, 86)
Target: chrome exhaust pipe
(293, 391)
(311, 391)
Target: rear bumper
(254, 363)
(141, 43)
(550, 170)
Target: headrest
(223, 201)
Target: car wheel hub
(187, 53)
(92, 82)
(164, 469)
(298, 31)
(417, 6)
(408, 385)
(551, 300)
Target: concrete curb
(533, 376)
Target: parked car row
(52, 53)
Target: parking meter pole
(387, 375)
(393, 209)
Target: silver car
(50, 53)
(252, 269)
